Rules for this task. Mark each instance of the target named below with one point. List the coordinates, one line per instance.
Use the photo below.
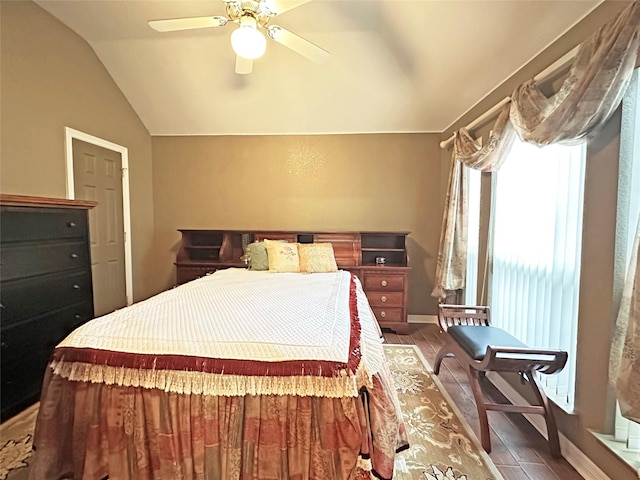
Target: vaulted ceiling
(395, 65)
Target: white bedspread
(236, 315)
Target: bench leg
(552, 428)
(442, 354)
(485, 436)
(449, 349)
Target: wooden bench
(481, 348)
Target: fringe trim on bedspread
(214, 376)
(200, 383)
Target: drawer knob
(76, 286)
(74, 255)
(383, 298)
(71, 224)
(383, 314)
(77, 316)
(383, 283)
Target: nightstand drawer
(391, 314)
(384, 282)
(382, 299)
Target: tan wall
(315, 182)
(596, 315)
(52, 79)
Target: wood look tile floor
(518, 450)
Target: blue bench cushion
(475, 339)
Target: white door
(97, 174)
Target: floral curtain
(452, 254)
(597, 81)
(624, 364)
(593, 90)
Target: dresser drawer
(30, 297)
(34, 224)
(25, 260)
(384, 282)
(34, 340)
(390, 314)
(383, 299)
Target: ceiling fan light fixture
(247, 41)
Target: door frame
(69, 135)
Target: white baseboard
(576, 457)
(422, 319)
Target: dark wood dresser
(45, 288)
(205, 251)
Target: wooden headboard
(385, 281)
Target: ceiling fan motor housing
(256, 9)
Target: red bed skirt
(92, 431)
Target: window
(628, 217)
(473, 235)
(537, 242)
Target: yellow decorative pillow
(317, 258)
(283, 257)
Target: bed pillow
(258, 259)
(258, 256)
(282, 256)
(317, 258)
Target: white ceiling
(395, 65)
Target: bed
(237, 375)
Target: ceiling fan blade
(277, 7)
(174, 24)
(298, 44)
(243, 65)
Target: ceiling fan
(247, 40)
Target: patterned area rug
(16, 435)
(443, 447)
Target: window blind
(473, 236)
(537, 241)
(628, 217)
